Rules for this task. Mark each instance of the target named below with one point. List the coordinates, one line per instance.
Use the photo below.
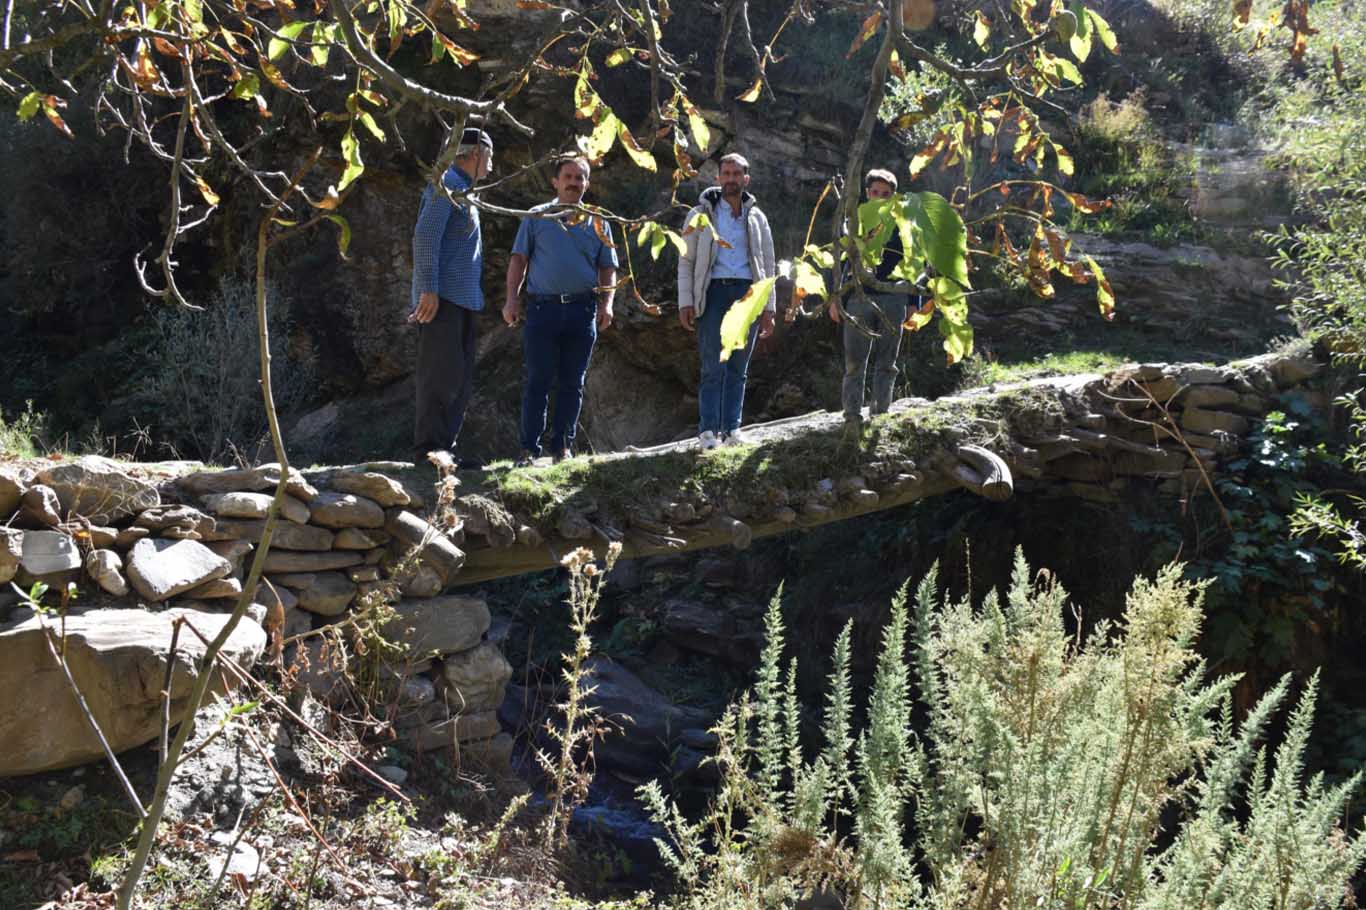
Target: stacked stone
(1126, 428)
(343, 535)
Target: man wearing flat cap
(448, 258)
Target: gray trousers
(885, 319)
(445, 376)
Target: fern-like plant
(1048, 771)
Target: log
(996, 483)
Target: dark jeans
(721, 396)
(885, 319)
(445, 376)
(557, 343)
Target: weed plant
(1046, 768)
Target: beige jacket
(694, 266)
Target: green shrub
(1050, 770)
(21, 435)
(203, 391)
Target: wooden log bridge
(1163, 428)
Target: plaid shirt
(448, 247)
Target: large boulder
(441, 625)
(118, 659)
(161, 569)
(99, 489)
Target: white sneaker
(708, 441)
(737, 438)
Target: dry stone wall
(345, 537)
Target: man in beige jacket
(720, 263)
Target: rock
(475, 680)
(129, 536)
(105, 567)
(1199, 420)
(1138, 372)
(409, 691)
(419, 581)
(441, 625)
(182, 517)
(178, 533)
(243, 861)
(254, 480)
(11, 553)
(383, 490)
(297, 622)
(40, 508)
(99, 489)
(118, 658)
(638, 713)
(329, 595)
(161, 569)
(1209, 396)
(234, 551)
(360, 539)
(343, 510)
(1198, 375)
(257, 613)
(272, 594)
(291, 561)
(296, 580)
(287, 535)
(1289, 371)
(102, 538)
(435, 549)
(11, 492)
(393, 774)
(493, 755)
(443, 734)
(716, 632)
(218, 589)
(363, 573)
(255, 505)
(49, 552)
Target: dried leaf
(752, 93)
(206, 191)
(869, 28)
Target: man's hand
(512, 311)
(834, 310)
(604, 314)
(687, 317)
(765, 324)
(427, 304)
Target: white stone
(161, 569)
(47, 552)
(106, 568)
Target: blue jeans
(557, 343)
(721, 396)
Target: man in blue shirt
(448, 258)
(569, 264)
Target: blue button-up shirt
(733, 262)
(563, 259)
(448, 247)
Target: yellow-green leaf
(371, 125)
(640, 156)
(586, 101)
(701, 133)
(599, 143)
(618, 56)
(350, 149)
(344, 233)
(1080, 42)
(324, 34)
(29, 105)
(1065, 163)
(1105, 295)
(807, 281)
(283, 38)
(957, 340)
(981, 31)
(735, 325)
(1103, 30)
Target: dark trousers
(882, 314)
(445, 376)
(557, 343)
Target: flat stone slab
(435, 549)
(287, 535)
(99, 489)
(255, 505)
(329, 594)
(440, 625)
(278, 561)
(118, 659)
(255, 480)
(161, 569)
(383, 490)
(46, 552)
(346, 510)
